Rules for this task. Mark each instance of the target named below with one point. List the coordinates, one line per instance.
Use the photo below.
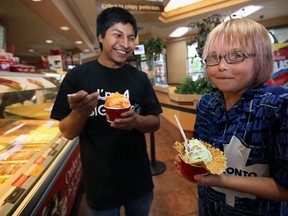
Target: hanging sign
(131, 6)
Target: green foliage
(200, 86)
(204, 27)
(153, 46)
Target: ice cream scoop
(117, 100)
(115, 105)
(196, 152)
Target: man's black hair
(111, 16)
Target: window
(279, 34)
(2, 36)
(194, 62)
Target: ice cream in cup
(115, 105)
(198, 157)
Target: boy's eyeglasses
(230, 58)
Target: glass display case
(37, 165)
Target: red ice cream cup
(114, 113)
(188, 171)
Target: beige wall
(176, 61)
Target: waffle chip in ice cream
(117, 100)
(202, 154)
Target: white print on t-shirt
(237, 155)
(104, 94)
(99, 110)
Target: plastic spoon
(99, 97)
(181, 131)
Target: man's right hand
(83, 103)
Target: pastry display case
(28, 96)
(40, 170)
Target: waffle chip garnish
(216, 166)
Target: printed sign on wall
(280, 74)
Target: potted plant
(202, 85)
(153, 48)
(203, 29)
(189, 90)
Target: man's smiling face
(118, 43)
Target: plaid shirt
(254, 137)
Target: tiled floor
(173, 195)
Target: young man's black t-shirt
(115, 162)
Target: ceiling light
(31, 50)
(245, 11)
(180, 31)
(174, 4)
(49, 41)
(78, 42)
(36, 0)
(64, 28)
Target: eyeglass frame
(243, 55)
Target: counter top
(35, 111)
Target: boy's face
(232, 78)
(118, 44)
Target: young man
(114, 157)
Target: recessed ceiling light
(64, 28)
(178, 32)
(78, 42)
(49, 41)
(174, 4)
(36, 0)
(31, 50)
